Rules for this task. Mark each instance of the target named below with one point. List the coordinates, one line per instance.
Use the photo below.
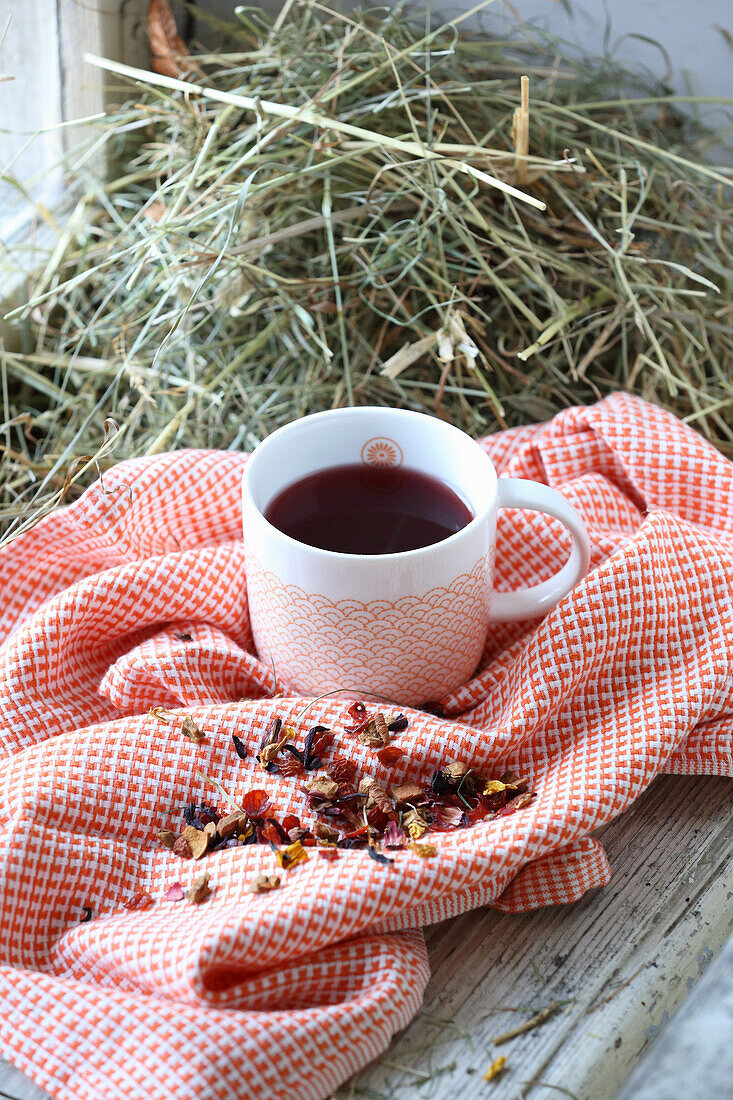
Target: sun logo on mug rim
(381, 451)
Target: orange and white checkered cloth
(285, 995)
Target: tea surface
(355, 509)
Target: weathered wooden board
(622, 960)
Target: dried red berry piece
(342, 770)
(182, 848)
(390, 756)
(255, 803)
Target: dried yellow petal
(494, 786)
(415, 824)
(425, 851)
(294, 853)
(496, 1067)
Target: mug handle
(528, 603)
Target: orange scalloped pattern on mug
(410, 650)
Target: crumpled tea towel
(134, 597)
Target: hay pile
(242, 267)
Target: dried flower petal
(167, 838)
(329, 853)
(292, 855)
(496, 1067)
(239, 747)
(390, 756)
(326, 833)
(446, 817)
(290, 821)
(182, 848)
(198, 841)
(263, 884)
(494, 786)
(517, 803)
(394, 836)
(425, 851)
(200, 889)
(174, 892)
(140, 900)
(191, 731)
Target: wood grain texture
(623, 960)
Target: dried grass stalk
(327, 230)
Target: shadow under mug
(409, 626)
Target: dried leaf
(166, 47)
(496, 1067)
(378, 857)
(408, 354)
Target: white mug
(409, 626)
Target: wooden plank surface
(622, 960)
